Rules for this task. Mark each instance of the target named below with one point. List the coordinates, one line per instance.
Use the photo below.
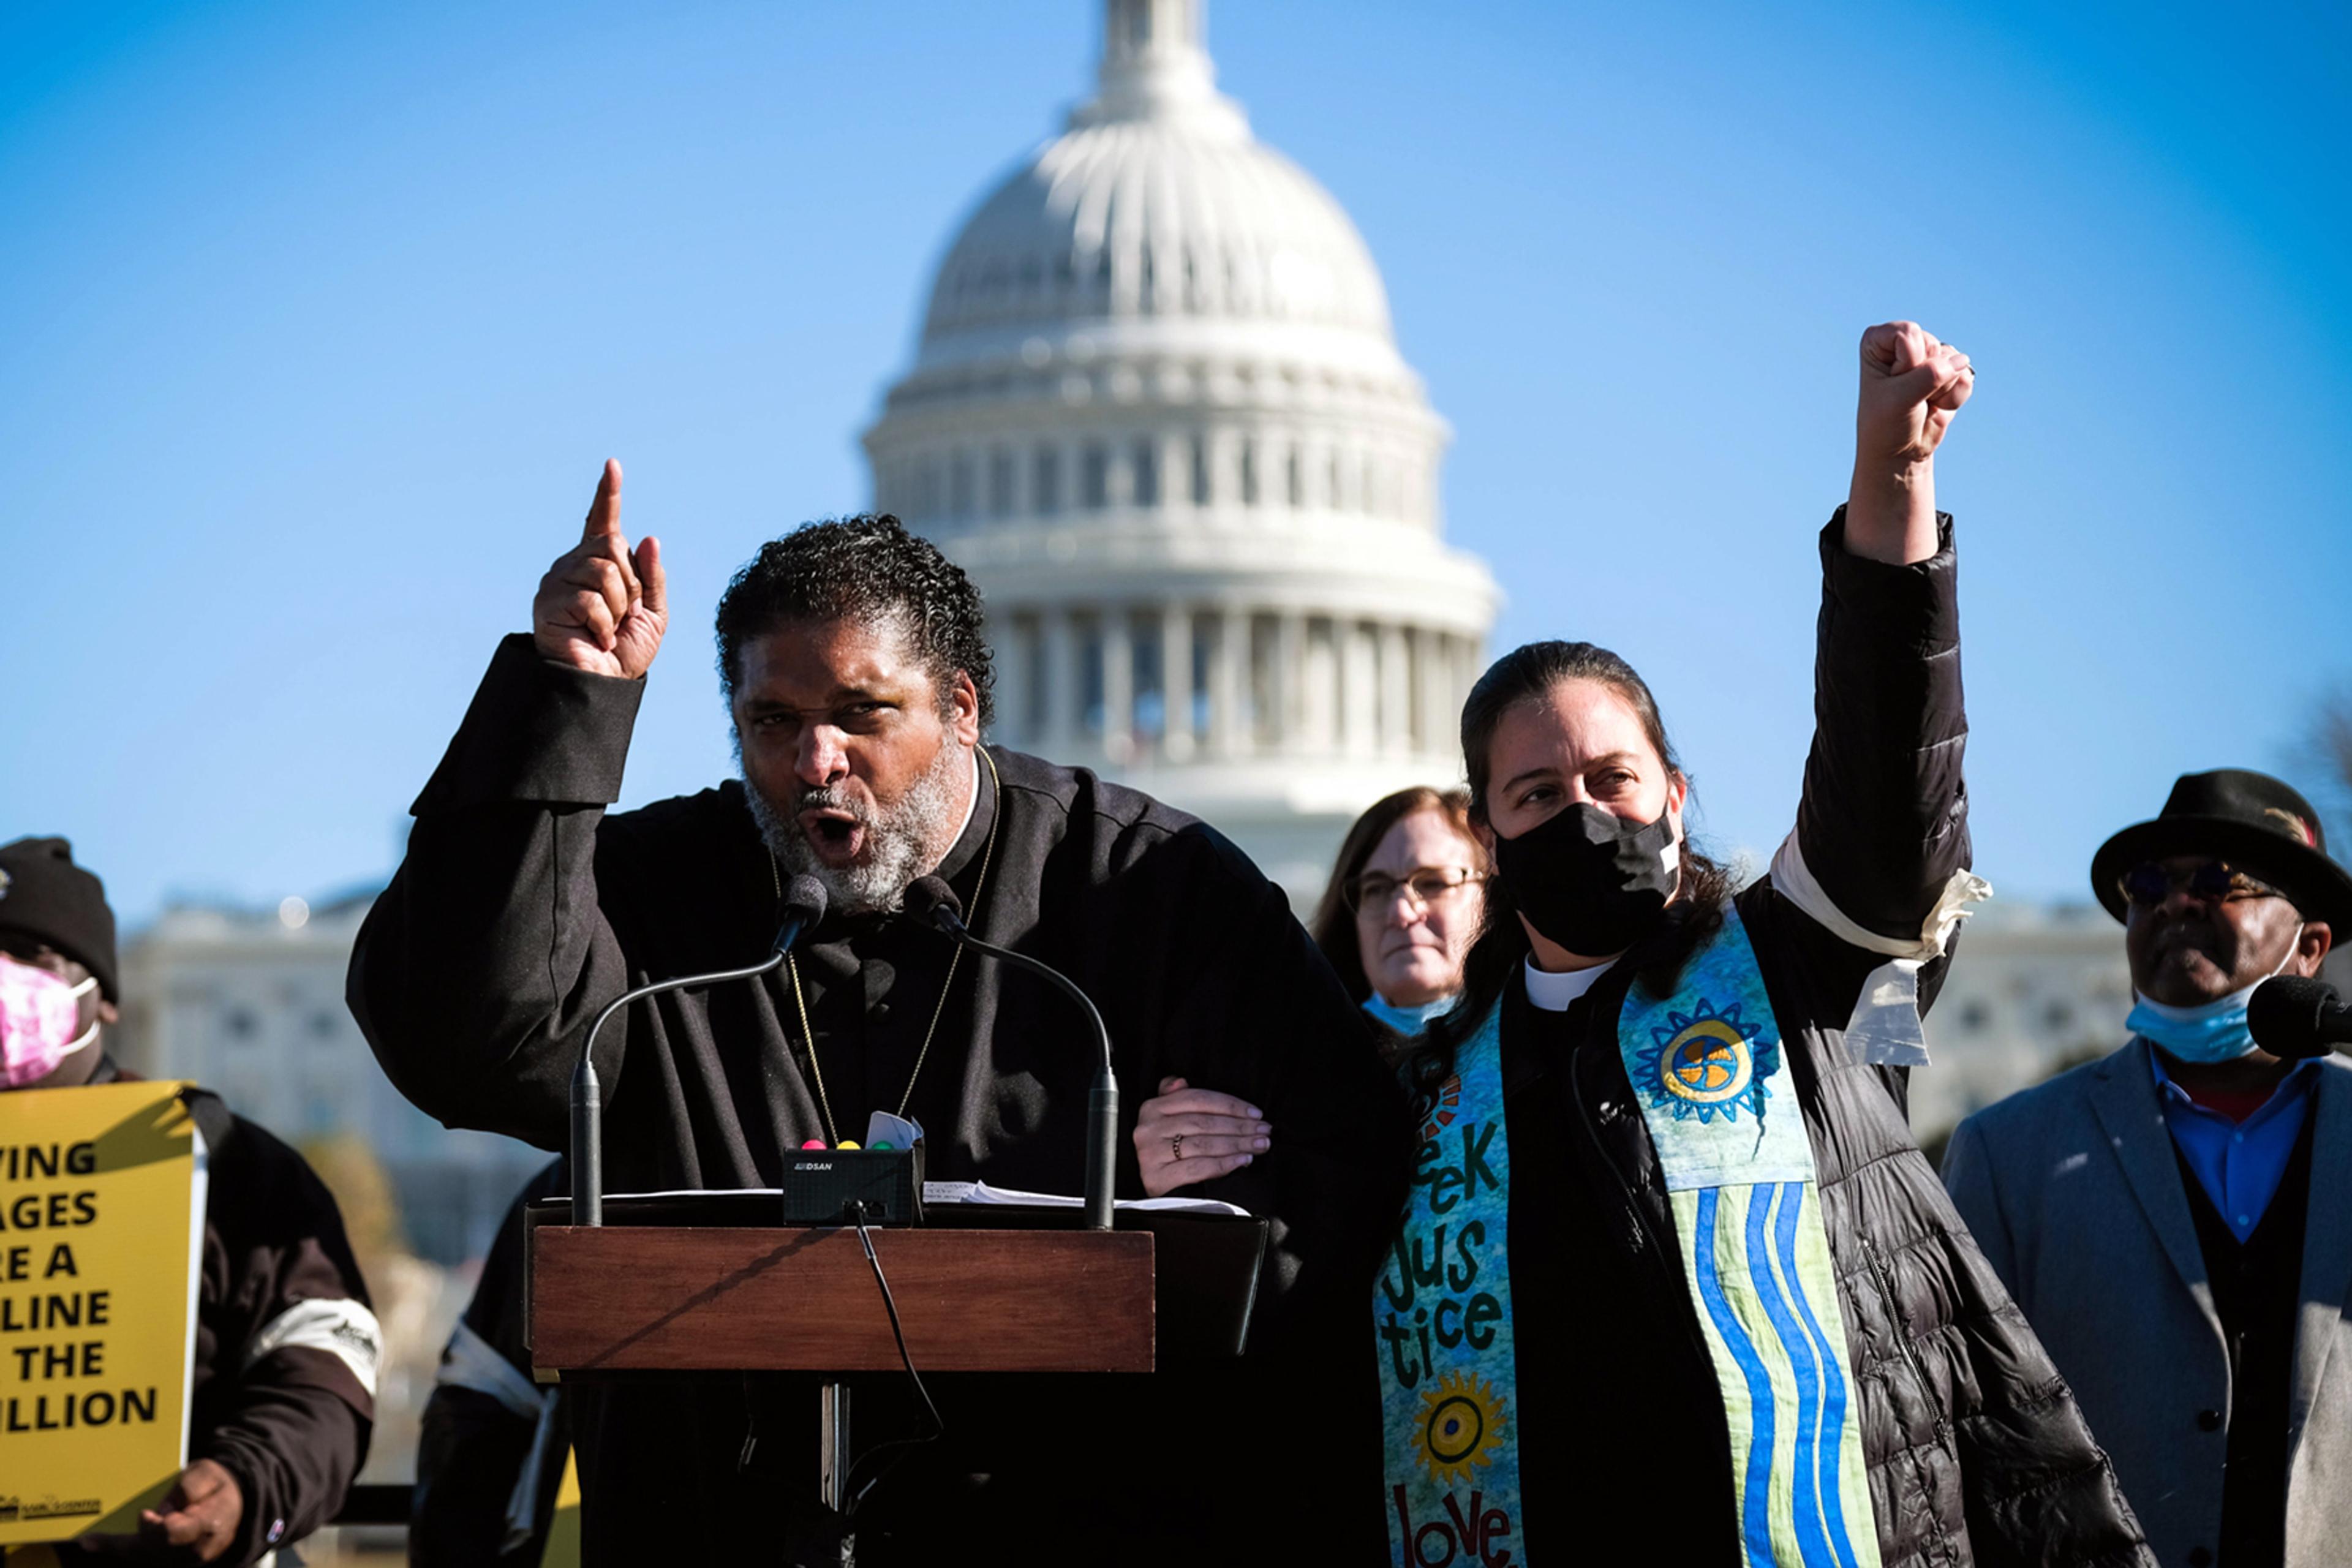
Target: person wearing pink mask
(57, 966)
(286, 1348)
(1406, 895)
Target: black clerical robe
(522, 909)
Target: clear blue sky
(316, 321)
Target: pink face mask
(38, 1011)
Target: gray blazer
(2073, 1193)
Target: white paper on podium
(970, 1193)
(982, 1192)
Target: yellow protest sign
(101, 1227)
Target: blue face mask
(1407, 1020)
(2213, 1032)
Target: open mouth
(837, 836)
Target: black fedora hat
(2249, 819)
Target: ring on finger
(1176, 1146)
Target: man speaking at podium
(852, 660)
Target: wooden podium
(622, 1298)
(680, 1285)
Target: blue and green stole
(1716, 1095)
(1442, 1309)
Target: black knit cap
(43, 894)
(2252, 821)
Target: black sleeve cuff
(256, 1534)
(1918, 604)
(537, 730)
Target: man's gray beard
(907, 841)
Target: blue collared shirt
(2238, 1163)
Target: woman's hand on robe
(603, 607)
(1912, 385)
(1186, 1135)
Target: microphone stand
(805, 909)
(1102, 1102)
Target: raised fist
(1911, 387)
(603, 607)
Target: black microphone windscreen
(928, 898)
(804, 901)
(2286, 1015)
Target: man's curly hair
(869, 569)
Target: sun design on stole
(1460, 1420)
(1709, 1063)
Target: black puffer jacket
(1976, 1452)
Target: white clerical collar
(1556, 993)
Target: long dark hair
(1334, 925)
(1525, 674)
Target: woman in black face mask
(1671, 1259)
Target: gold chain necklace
(800, 1003)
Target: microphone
(2298, 1018)
(932, 903)
(805, 902)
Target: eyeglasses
(1423, 886)
(2149, 884)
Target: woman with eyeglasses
(1404, 902)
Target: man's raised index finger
(604, 511)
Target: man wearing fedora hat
(2175, 1220)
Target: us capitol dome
(1158, 412)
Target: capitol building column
(1228, 630)
(1358, 659)
(1396, 693)
(1014, 649)
(1176, 679)
(1436, 730)
(1294, 715)
(1057, 648)
(1118, 685)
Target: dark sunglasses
(2149, 884)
